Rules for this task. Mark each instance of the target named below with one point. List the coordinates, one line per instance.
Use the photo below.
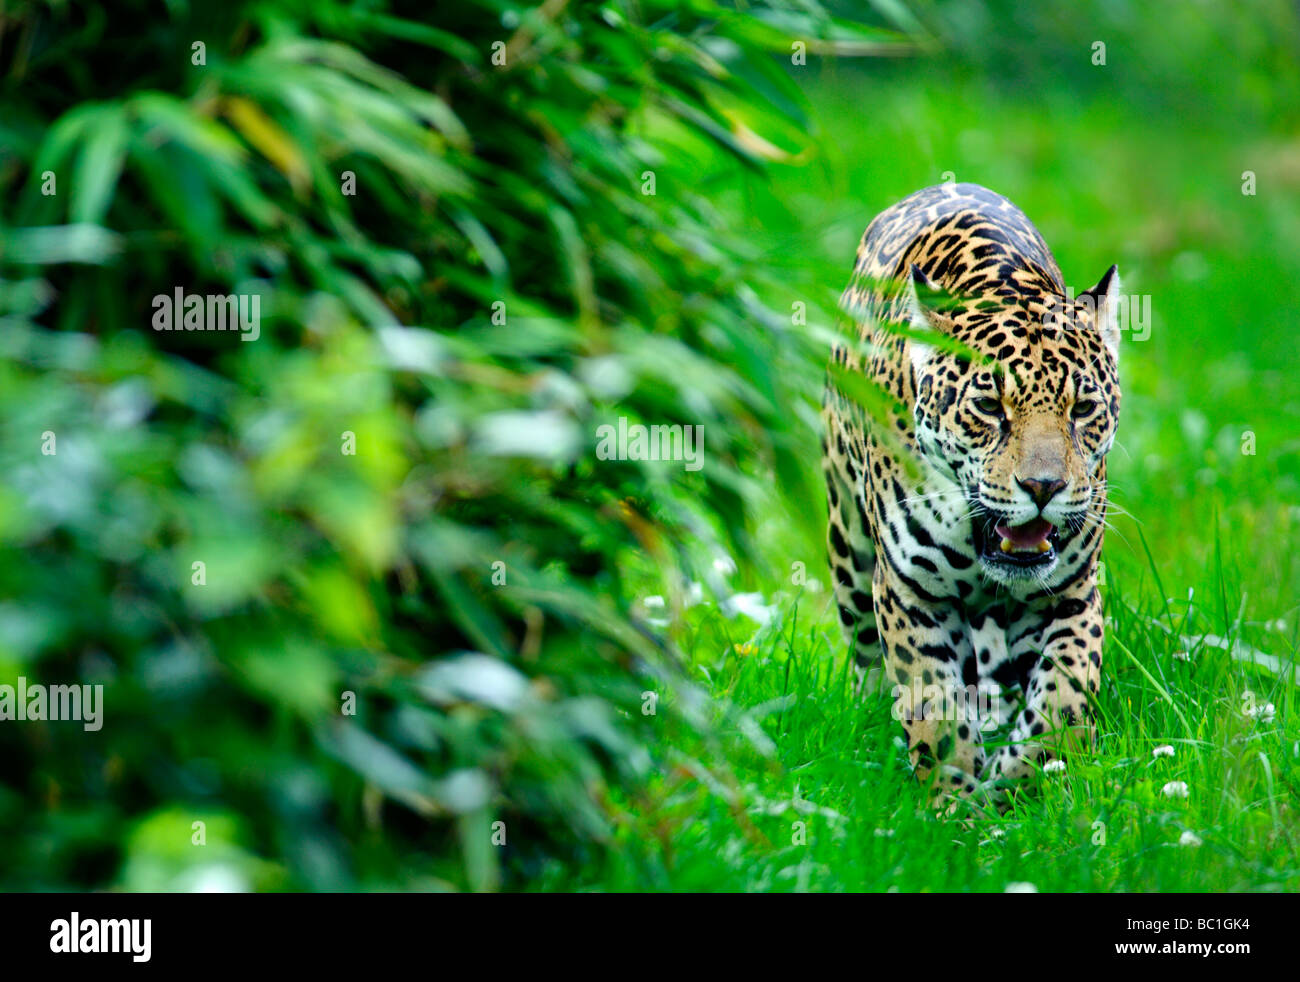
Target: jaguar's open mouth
(1031, 544)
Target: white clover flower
(1175, 789)
(997, 833)
(1189, 839)
(1163, 751)
(1021, 888)
(1262, 714)
(1054, 766)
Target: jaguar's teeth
(1006, 545)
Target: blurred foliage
(215, 148)
(1197, 62)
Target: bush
(357, 590)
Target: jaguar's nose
(1041, 489)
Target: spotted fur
(1009, 427)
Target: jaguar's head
(1024, 430)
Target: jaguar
(967, 417)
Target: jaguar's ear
(922, 294)
(1104, 298)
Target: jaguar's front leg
(926, 645)
(1056, 716)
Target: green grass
(1202, 556)
(835, 809)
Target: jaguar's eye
(1082, 408)
(990, 407)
